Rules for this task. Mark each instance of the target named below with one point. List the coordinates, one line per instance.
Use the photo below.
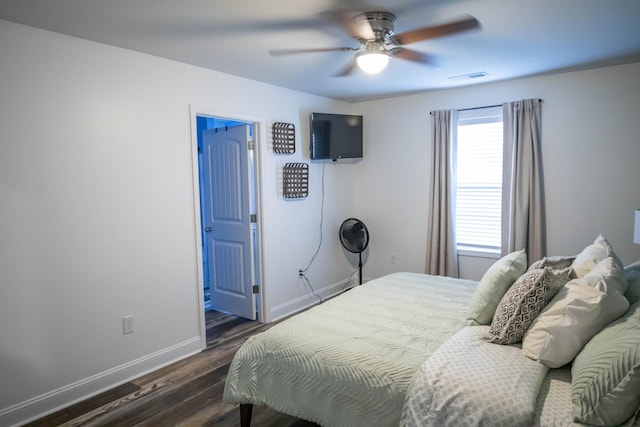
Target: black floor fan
(354, 236)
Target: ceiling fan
(378, 42)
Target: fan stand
(360, 267)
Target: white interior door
(226, 220)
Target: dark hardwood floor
(186, 393)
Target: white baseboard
(290, 307)
(62, 397)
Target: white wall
(590, 146)
(97, 216)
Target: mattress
(351, 360)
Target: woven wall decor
(295, 180)
(284, 138)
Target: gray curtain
(523, 221)
(441, 242)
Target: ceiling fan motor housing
(382, 23)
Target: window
(479, 180)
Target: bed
(354, 356)
(402, 350)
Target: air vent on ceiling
(470, 76)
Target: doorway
(229, 232)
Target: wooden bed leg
(245, 414)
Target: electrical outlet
(392, 258)
(127, 324)
(300, 272)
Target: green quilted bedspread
(351, 360)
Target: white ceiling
(518, 38)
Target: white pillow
(582, 308)
(590, 256)
(608, 276)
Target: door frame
(259, 134)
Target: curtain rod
(480, 108)
(486, 106)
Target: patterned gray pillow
(555, 262)
(523, 302)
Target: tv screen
(335, 136)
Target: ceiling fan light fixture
(372, 62)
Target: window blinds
(479, 179)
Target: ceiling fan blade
(281, 52)
(345, 71)
(412, 55)
(355, 23)
(436, 31)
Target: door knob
(208, 229)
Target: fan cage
(353, 247)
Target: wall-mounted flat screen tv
(335, 136)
